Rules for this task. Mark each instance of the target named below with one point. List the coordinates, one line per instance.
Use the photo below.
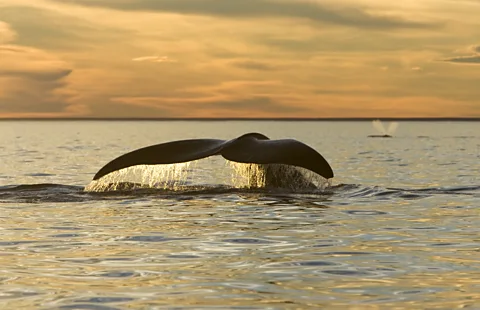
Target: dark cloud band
(465, 59)
(314, 12)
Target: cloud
(6, 33)
(49, 29)
(470, 59)
(129, 109)
(307, 10)
(257, 104)
(207, 106)
(46, 75)
(253, 65)
(16, 60)
(228, 99)
(51, 26)
(154, 59)
(234, 58)
(475, 59)
(31, 80)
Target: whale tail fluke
(253, 148)
(384, 133)
(164, 153)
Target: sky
(239, 58)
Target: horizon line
(334, 119)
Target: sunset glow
(248, 58)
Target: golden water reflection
(397, 230)
(205, 253)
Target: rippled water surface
(399, 228)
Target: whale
(250, 148)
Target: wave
(49, 192)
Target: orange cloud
(31, 80)
(6, 33)
(154, 59)
(259, 58)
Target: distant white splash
(378, 125)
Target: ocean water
(397, 228)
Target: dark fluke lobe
(253, 148)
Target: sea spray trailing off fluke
(275, 175)
(284, 163)
(179, 177)
(170, 176)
